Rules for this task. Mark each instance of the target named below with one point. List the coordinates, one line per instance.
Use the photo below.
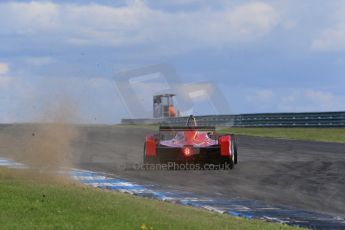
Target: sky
(262, 56)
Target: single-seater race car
(190, 143)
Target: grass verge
(310, 134)
(28, 204)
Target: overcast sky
(265, 56)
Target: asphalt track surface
(297, 174)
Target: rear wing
(187, 128)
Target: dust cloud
(46, 146)
(50, 147)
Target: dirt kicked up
(45, 147)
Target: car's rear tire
(148, 160)
(232, 157)
(229, 162)
(235, 150)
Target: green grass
(311, 134)
(26, 204)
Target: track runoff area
(293, 182)
(248, 209)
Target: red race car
(190, 143)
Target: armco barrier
(314, 119)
